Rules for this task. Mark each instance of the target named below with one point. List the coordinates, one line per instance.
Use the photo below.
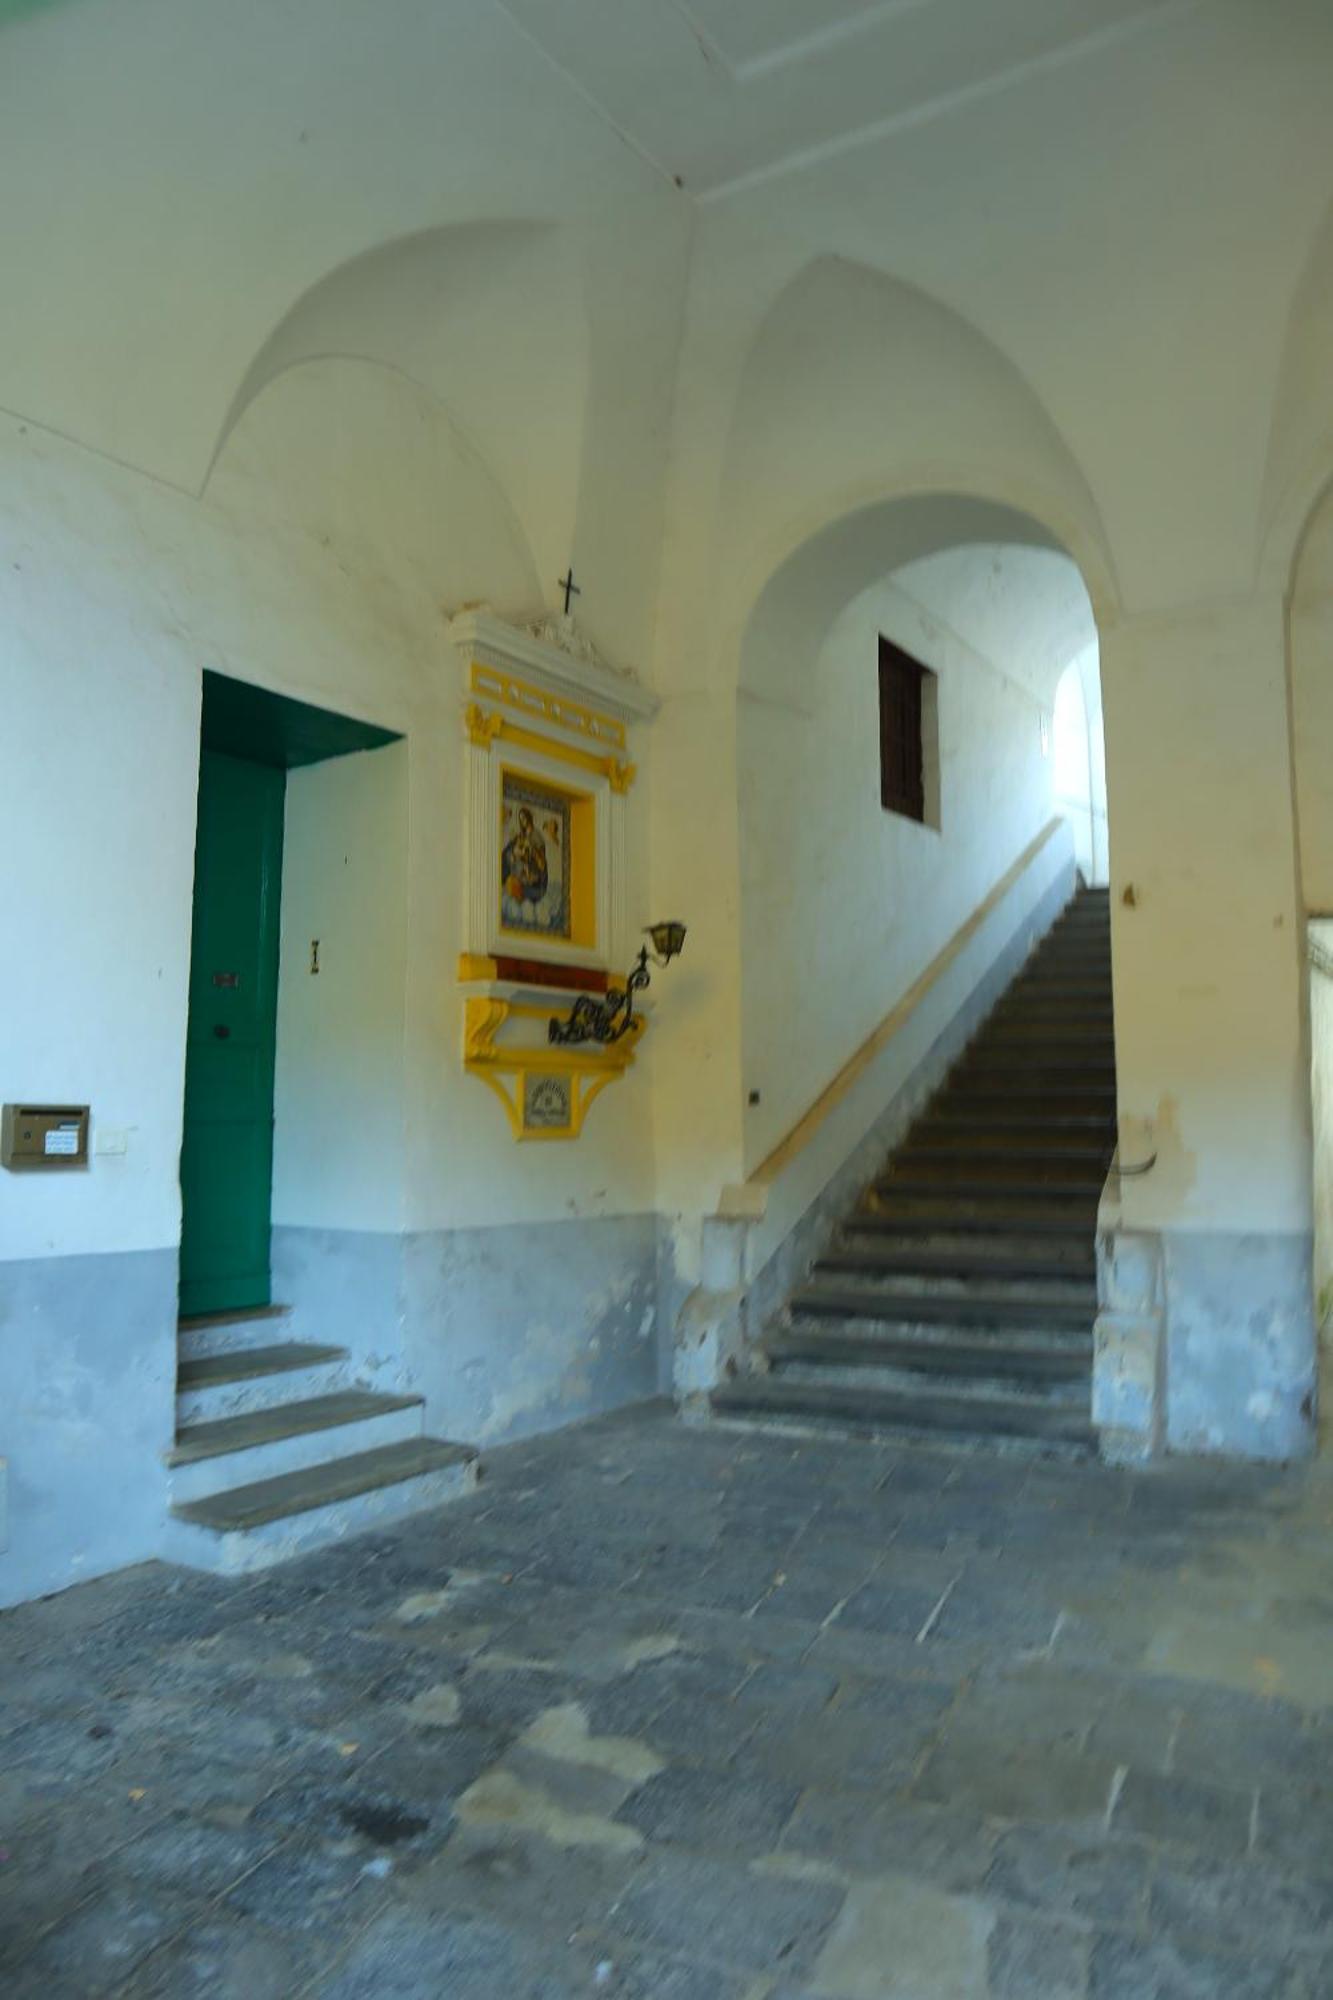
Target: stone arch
(1299, 471)
(862, 393)
(452, 310)
(803, 596)
(808, 781)
(363, 458)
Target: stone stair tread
(958, 1263)
(1050, 1189)
(1014, 1085)
(284, 1420)
(236, 1316)
(944, 1218)
(265, 1500)
(921, 1308)
(994, 1062)
(239, 1364)
(958, 1124)
(1067, 1360)
(950, 1147)
(816, 1337)
(959, 1298)
(860, 1408)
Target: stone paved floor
(699, 1715)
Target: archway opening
(848, 898)
(1078, 764)
(1311, 644)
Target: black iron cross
(570, 588)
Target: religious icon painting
(534, 857)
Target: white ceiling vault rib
(1133, 18)
(767, 35)
(725, 94)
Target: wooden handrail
(833, 1093)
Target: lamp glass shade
(667, 939)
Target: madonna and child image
(534, 848)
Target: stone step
(993, 1107)
(1036, 1363)
(1075, 1020)
(1055, 989)
(1038, 1135)
(1072, 1312)
(215, 1401)
(934, 1257)
(1016, 1122)
(1029, 1030)
(236, 1380)
(993, 1198)
(1073, 1087)
(1021, 1173)
(926, 1410)
(935, 1209)
(1027, 1109)
(210, 1371)
(215, 1333)
(1071, 951)
(1059, 1019)
(1001, 1149)
(251, 1527)
(996, 1383)
(1056, 1056)
(1088, 973)
(969, 1237)
(1068, 1094)
(263, 1444)
(891, 1293)
(985, 1062)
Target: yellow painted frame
(560, 709)
(505, 1070)
(484, 728)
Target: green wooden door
(227, 1153)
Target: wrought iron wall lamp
(612, 1015)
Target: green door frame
(249, 740)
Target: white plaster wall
(1078, 762)
(338, 1160)
(99, 754)
(1321, 1082)
(1070, 769)
(1101, 819)
(1207, 933)
(117, 591)
(1311, 643)
(844, 904)
(1024, 609)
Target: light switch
(109, 1140)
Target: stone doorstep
(282, 1420)
(241, 1364)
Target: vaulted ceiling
(725, 92)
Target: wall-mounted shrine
(549, 767)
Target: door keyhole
(223, 1034)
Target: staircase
(958, 1300)
(278, 1452)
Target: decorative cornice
(551, 651)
